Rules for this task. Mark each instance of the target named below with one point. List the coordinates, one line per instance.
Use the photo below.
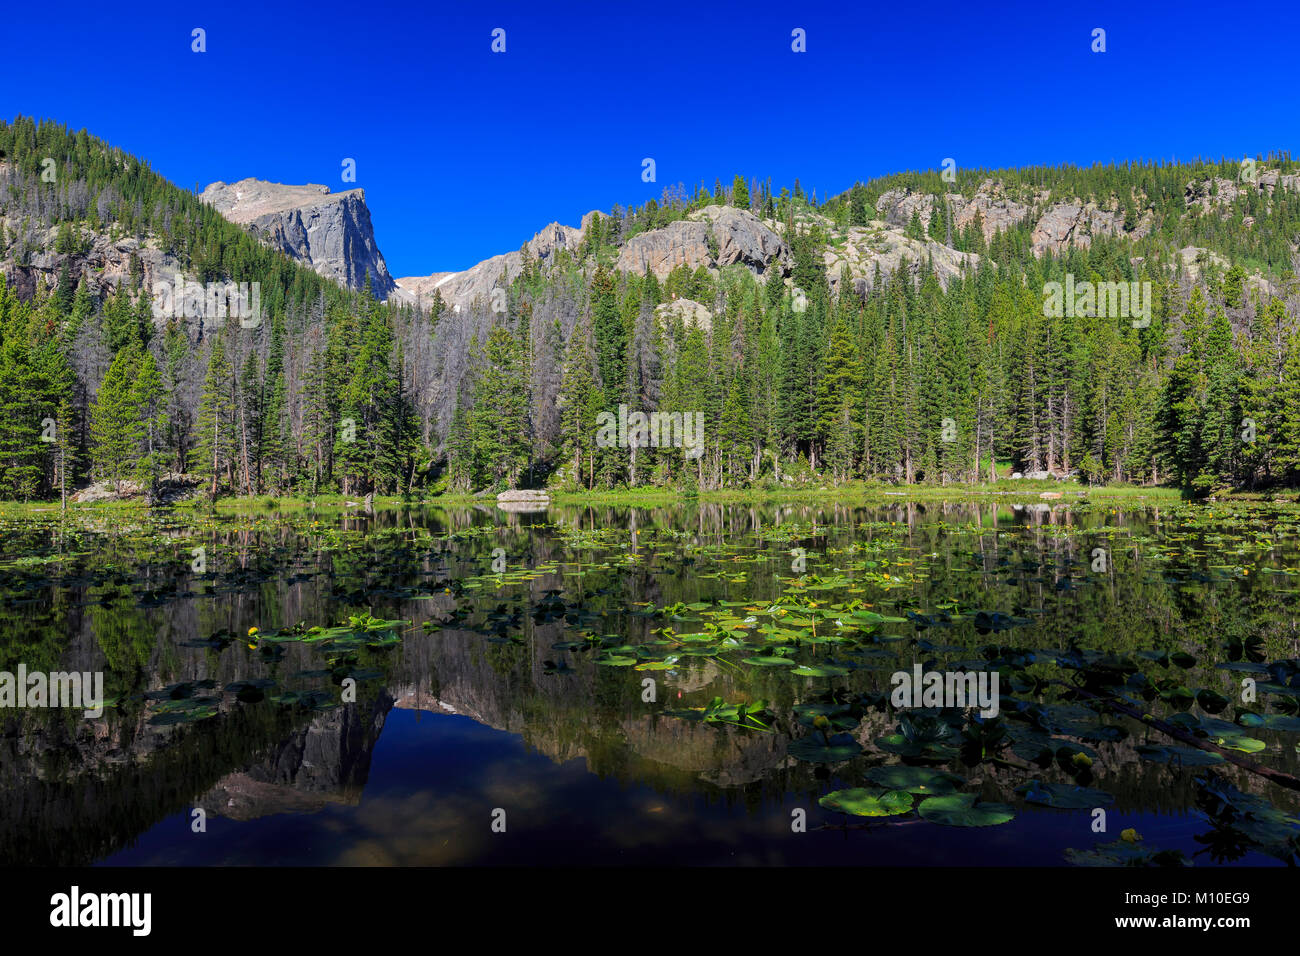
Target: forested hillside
(895, 332)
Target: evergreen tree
(114, 419)
(214, 452)
(498, 418)
(739, 192)
(148, 399)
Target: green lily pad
(965, 810)
(1063, 796)
(900, 745)
(1123, 853)
(920, 780)
(815, 749)
(1239, 742)
(1271, 722)
(617, 660)
(1185, 756)
(820, 670)
(861, 802)
(185, 711)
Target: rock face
(330, 232)
(716, 237)
(104, 261)
(1073, 224)
(171, 487)
(713, 237)
(875, 248)
(1206, 194)
(106, 264)
(995, 210)
(688, 311)
(460, 289)
(1061, 225)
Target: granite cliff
(330, 232)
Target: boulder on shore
(521, 500)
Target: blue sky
(464, 153)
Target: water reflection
(475, 715)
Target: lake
(690, 684)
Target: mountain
(719, 236)
(1134, 322)
(460, 289)
(330, 232)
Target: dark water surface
(572, 693)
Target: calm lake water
(687, 684)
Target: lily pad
(1184, 756)
(763, 661)
(816, 749)
(1271, 722)
(965, 810)
(820, 670)
(920, 780)
(861, 802)
(1124, 853)
(1063, 796)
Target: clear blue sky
(465, 154)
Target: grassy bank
(853, 493)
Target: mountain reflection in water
(480, 711)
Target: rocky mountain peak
(330, 232)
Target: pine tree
(114, 423)
(914, 228)
(1288, 400)
(276, 440)
(935, 230)
(214, 453)
(148, 398)
(739, 192)
(498, 418)
(839, 397)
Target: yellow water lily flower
(1130, 835)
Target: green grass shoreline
(853, 493)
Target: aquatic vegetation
(1103, 679)
(860, 802)
(964, 810)
(919, 780)
(1126, 853)
(751, 716)
(822, 747)
(1063, 796)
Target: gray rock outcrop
(877, 249)
(713, 237)
(459, 289)
(995, 210)
(688, 311)
(1075, 224)
(330, 232)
